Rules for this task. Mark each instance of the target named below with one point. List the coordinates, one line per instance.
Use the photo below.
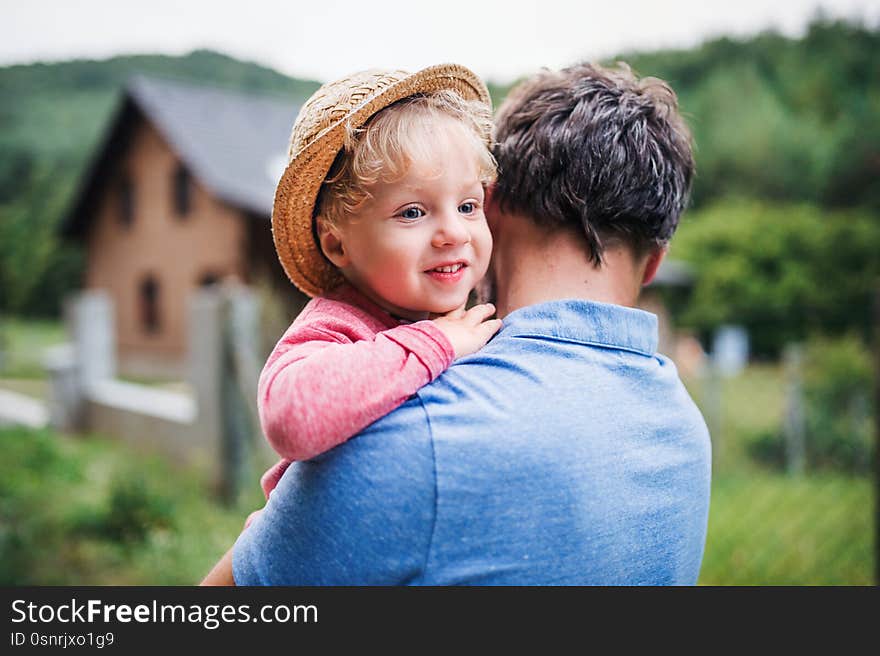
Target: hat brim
(301, 181)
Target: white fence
(212, 425)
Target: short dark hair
(595, 148)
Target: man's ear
(331, 239)
(655, 257)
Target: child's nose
(452, 230)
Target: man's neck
(533, 266)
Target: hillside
(51, 119)
(779, 118)
(55, 112)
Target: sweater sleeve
(320, 387)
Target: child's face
(393, 248)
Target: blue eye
(412, 213)
(467, 208)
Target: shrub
(768, 448)
(837, 392)
(783, 271)
(134, 510)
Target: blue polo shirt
(565, 452)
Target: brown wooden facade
(154, 233)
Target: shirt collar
(588, 322)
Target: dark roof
(234, 143)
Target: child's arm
(316, 391)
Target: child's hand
(469, 330)
(270, 479)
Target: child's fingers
(479, 313)
(489, 328)
(457, 313)
(270, 479)
(252, 517)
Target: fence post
(224, 368)
(91, 321)
(205, 371)
(234, 420)
(877, 435)
(88, 359)
(794, 426)
(243, 340)
(713, 408)
(240, 371)
(65, 398)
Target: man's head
(595, 150)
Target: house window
(182, 191)
(126, 201)
(149, 305)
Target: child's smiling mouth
(452, 272)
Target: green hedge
(783, 271)
(86, 511)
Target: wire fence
(794, 492)
(794, 470)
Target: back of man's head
(595, 149)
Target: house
(177, 196)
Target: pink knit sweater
(342, 364)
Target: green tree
(780, 118)
(784, 271)
(36, 267)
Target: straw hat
(318, 136)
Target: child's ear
(331, 239)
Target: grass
(87, 511)
(23, 343)
(37, 388)
(737, 408)
(767, 528)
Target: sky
(326, 39)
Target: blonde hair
(386, 146)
